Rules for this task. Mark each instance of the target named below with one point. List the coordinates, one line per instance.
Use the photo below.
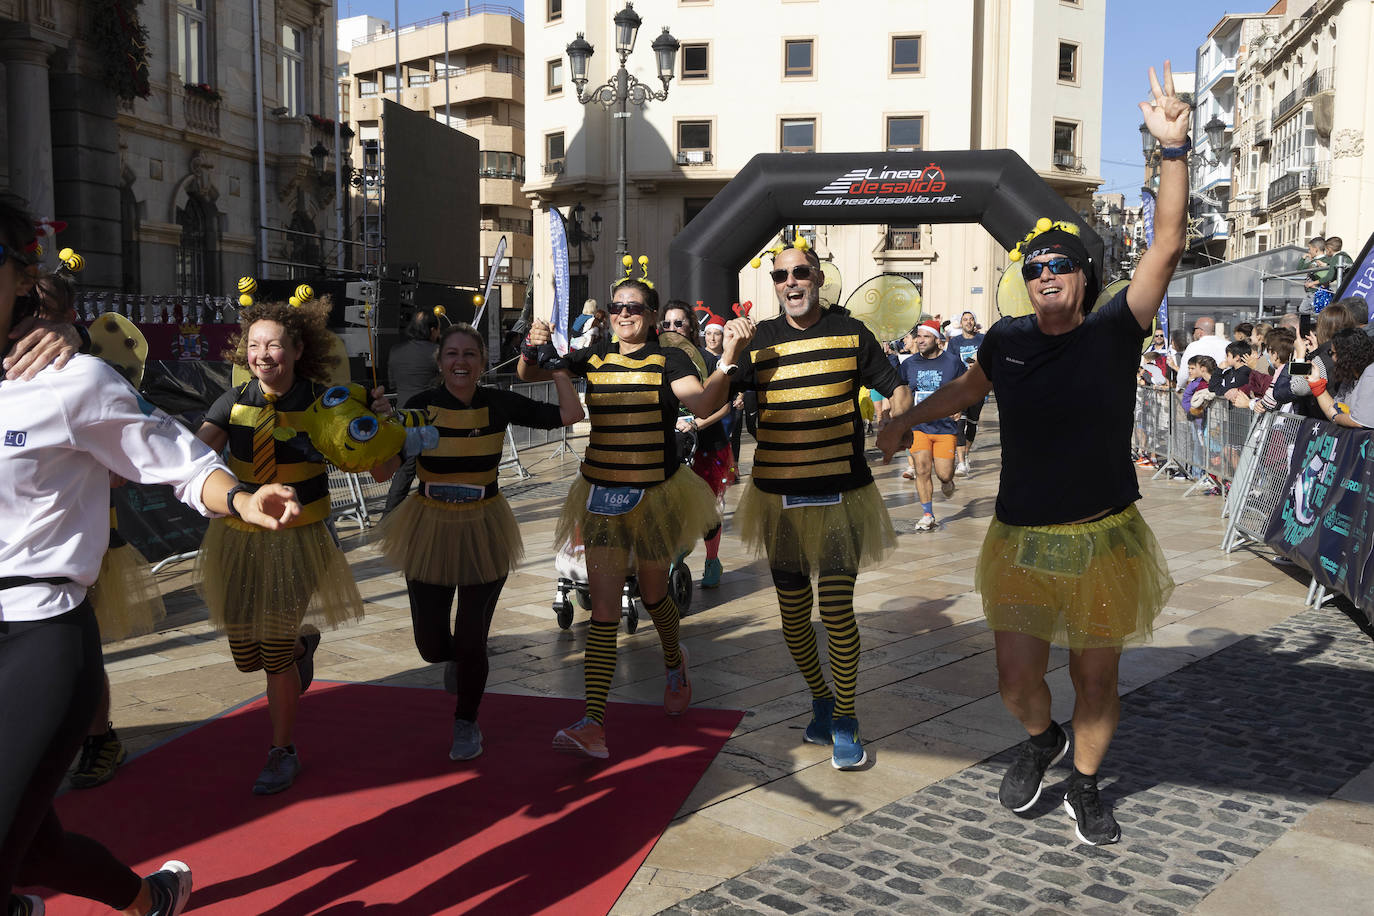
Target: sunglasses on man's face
(633, 308)
(1032, 269)
(801, 272)
(668, 324)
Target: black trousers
(51, 673)
(442, 636)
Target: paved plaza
(1241, 775)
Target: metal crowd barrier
(1206, 449)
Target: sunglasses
(801, 272)
(633, 308)
(668, 324)
(1057, 266)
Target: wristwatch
(729, 369)
(234, 491)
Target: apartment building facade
(809, 76)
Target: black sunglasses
(670, 323)
(1030, 270)
(633, 308)
(801, 272)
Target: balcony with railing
(1316, 175)
(689, 157)
(202, 114)
(1219, 72)
(903, 239)
(555, 166)
(1318, 82)
(1066, 161)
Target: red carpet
(381, 821)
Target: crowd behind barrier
(1203, 451)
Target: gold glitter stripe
(806, 393)
(615, 359)
(476, 478)
(467, 446)
(602, 456)
(611, 440)
(292, 472)
(841, 430)
(769, 472)
(793, 347)
(461, 418)
(804, 370)
(638, 418)
(804, 414)
(802, 456)
(622, 475)
(619, 398)
(620, 377)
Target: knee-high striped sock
(794, 605)
(665, 619)
(836, 601)
(598, 667)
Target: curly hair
(306, 325)
(1354, 351)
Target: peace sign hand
(1166, 115)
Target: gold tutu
(668, 521)
(1085, 586)
(452, 543)
(125, 596)
(262, 585)
(853, 534)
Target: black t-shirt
(633, 411)
(471, 435)
(711, 438)
(1066, 404)
(810, 431)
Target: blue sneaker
(710, 578)
(849, 753)
(818, 730)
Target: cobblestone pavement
(1212, 763)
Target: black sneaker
(100, 756)
(1021, 784)
(171, 888)
(24, 906)
(1093, 823)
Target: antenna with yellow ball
(247, 287)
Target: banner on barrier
(1323, 520)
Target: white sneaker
(947, 488)
(961, 469)
(927, 523)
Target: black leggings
(50, 679)
(464, 642)
(968, 424)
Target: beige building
(780, 76)
(468, 72)
(202, 181)
(1304, 100)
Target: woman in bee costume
(457, 533)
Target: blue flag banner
(1359, 281)
(1147, 216)
(558, 238)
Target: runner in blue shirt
(932, 445)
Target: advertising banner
(558, 238)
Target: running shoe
(1092, 823)
(710, 577)
(282, 768)
(586, 736)
(1022, 782)
(909, 474)
(100, 756)
(171, 887)
(818, 729)
(305, 663)
(677, 693)
(24, 905)
(451, 677)
(849, 753)
(927, 523)
(961, 469)
(947, 488)
(467, 740)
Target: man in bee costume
(1068, 558)
(811, 503)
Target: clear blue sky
(1139, 35)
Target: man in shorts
(1068, 558)
(932, 446)
(967, 343)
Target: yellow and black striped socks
(836, 591)
(598, 666)
(665, 617)
(794, 605)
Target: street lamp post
(577, 232)
(623, 89)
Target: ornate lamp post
(577, 232)
(623, 89)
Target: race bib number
(1056, 554)
(824, 499)
(613, 500)
(455, 492)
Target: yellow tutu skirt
(263, 585)
(853, 534)
(1085, 586)
(125, 596)
(452, 543)
(668, 521)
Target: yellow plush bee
(344, 429)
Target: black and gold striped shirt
(810, 431)
(633, 412)
(298, 463)
(471, 435)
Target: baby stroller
(571, 566)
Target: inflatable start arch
(993, 187)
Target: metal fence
(1206, 449)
